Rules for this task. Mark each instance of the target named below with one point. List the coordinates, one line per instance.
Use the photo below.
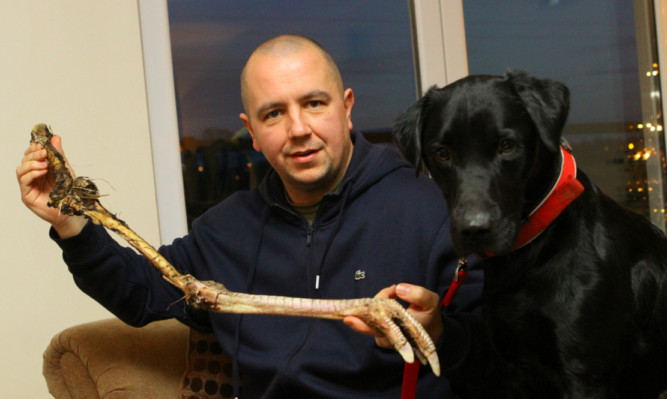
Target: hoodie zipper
(309, 237)
(309, 245)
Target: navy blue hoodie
(385, 223)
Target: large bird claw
(80, 197)
(403, 331)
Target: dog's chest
(526, 310)
(516, 317)
(540, 314)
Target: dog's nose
(476, 224)
(473, 232)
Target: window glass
(211, 40)
(599, 49)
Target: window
(211, 40)
(605, 52)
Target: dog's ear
(407, 132)
(546, 101)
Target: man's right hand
(424, 307)
(36, 182)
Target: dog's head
(492, 145)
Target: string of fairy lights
(641, 151)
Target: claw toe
(406, 352)
(435, 364)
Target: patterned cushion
(209, 370)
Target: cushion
(208, 373)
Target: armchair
(108, 359)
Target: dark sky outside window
(590, 45)
(211, 40)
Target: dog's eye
(506, 145)
(442, 154)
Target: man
(333, 208)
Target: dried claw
(423, 360)
(80, 196)
(204, 294)
(432, 359)
(404, 332)
(386, 315)
(402, 345)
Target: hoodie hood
(367, 166)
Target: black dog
(575, 296)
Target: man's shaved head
(286, 45)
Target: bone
(80, 196)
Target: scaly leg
(79, 196)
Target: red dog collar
(566, 190)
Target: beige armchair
(108, 359)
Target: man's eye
(272, 115)
(314, 103)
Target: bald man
(336, 217)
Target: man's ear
(246, 121)
(546, 101)
(407, 132)
(348, 101)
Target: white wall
(76, 65)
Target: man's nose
(298, 125)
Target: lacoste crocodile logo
(359, 275)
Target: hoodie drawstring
(346, 194)
(249, 281)
(251, 275)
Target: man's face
(299, 119)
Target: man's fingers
(418, 297)
(33, 165)
(31, 148)
(56, 142)
(387, 293)
(359, 326)
(34, 152)
(383, 342)
(424, 307)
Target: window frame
(440, 57)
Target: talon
(406, 352)
(435, 363)
(421, 357)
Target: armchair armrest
(109, 359)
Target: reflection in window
(211, 39)
(599, 50)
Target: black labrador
(575, 296)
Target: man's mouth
(304, 156)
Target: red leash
(411, 370)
